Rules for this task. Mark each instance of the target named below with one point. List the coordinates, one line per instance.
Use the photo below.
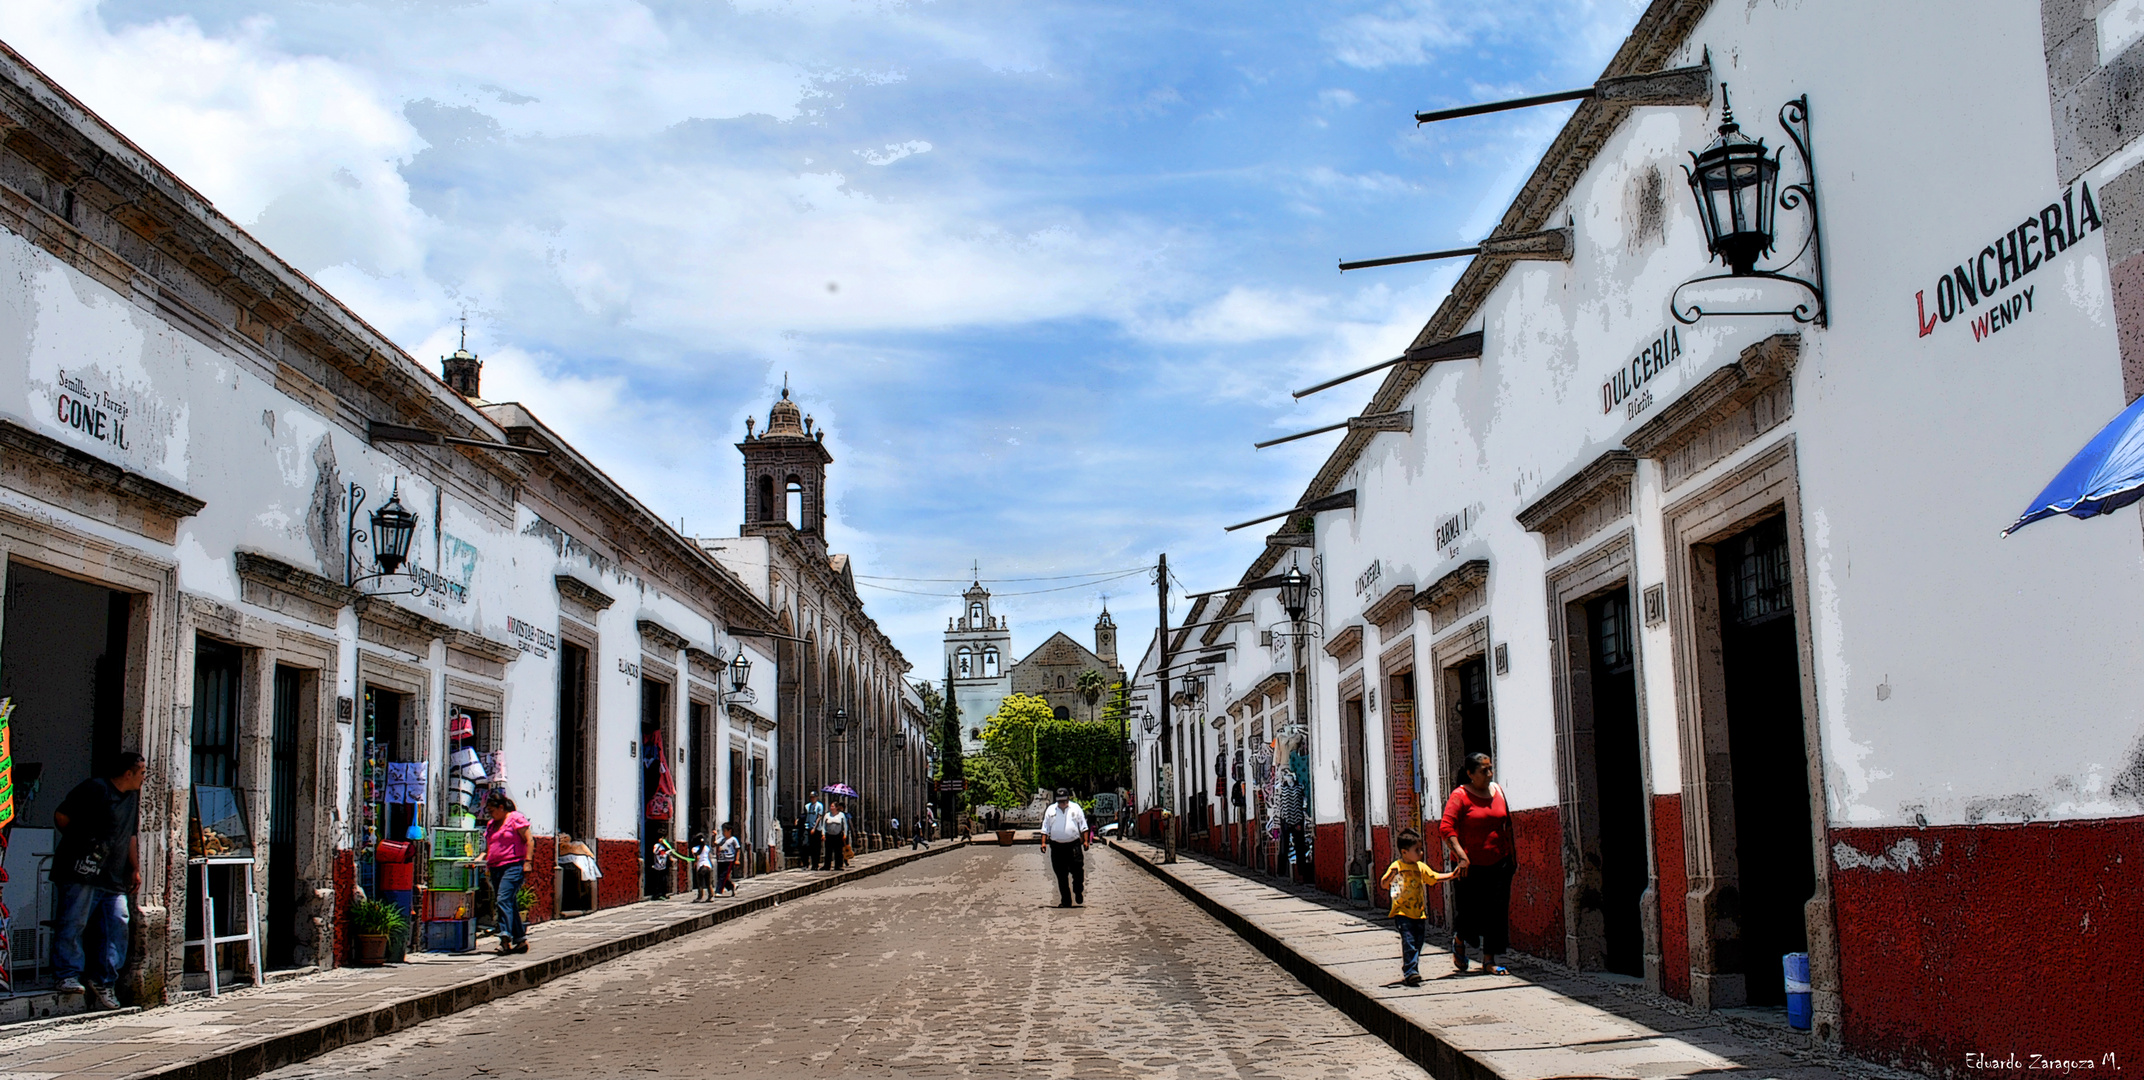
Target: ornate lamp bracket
(1800, 276)
(352, 538)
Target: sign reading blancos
(2031, 244)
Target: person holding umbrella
(836, 826)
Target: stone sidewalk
(1541, 1021)
(251, 1031)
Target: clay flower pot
(372, 949)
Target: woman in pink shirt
(509, 857)
(1477, 833)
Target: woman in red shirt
(1477, 832)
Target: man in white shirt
(1064, 832)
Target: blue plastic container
(406, 899)
(1797, 971)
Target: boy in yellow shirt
(1409, 879)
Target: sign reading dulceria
(1627, 383)
(1983, 278)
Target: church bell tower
(785, 473)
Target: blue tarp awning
(2105, 476)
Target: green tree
(994, 780)
(1012, 731)
(1091, 684)
(1077, 754)
(1117, 719)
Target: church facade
(978, 643)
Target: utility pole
(1161, 690)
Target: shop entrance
(218, 672)
(654, 753)
(63, 659)
(1768, 758)
(1352, 783)
(1618, 781)
(574, 783)
(1470, 709)
(706, 820)
(283, 789)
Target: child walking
(1409, 879)
(726, 854)
(703, 869)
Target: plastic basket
(454, 935)
(453, 875)
(449, 904)
(456, 843)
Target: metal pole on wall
(1161, 689)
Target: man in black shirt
(96, 867)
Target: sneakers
(100, 997)
(70, 985)
(1412, 980)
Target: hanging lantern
(392, 528)
(1295, 594)
(740, 672)
(1736, 186)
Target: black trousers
(814, 846)
(1483, 899)
(1291, 843)
(835, 843)
(1070, 864)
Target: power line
(1023, 592)
(993, 581)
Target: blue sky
(1044, 271)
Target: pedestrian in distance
(703, 869)
(814, 834)
(726, 855)
(835, 824)
(920, 837)
(1409, 879)
(1477, 833)
(510, 859)
(1064, 835)
(95, 868)
(895, 829)
(660, 876)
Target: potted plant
(524, 902)
(375, 921)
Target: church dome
(786, 419)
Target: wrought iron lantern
(1295, 593)
(1736, 186)
(900, 740)
(393, 527)
(840, 722)
(1740, 190)
(740, 672)
(1151, 723)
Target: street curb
(1422, 1045)
(291, 1047)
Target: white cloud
(894, 152)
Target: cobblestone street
(956, 966)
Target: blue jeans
(1411, 933)
(79, 907)
(505, 882)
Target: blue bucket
(1797, 971)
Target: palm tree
(1091, 685)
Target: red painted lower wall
(1997, 940)
(544, 849)
(345, 895)
(1674, 887)
(1537, 889)
(1329, 853)
(1380, 857)
(619, 860)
